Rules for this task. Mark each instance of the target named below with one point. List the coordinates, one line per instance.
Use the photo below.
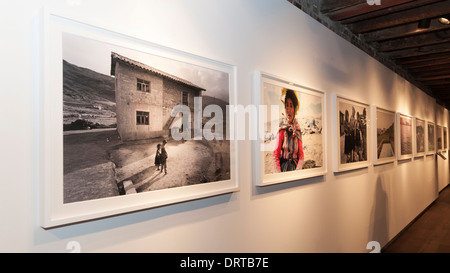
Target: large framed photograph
(405, 128)
(351, 134)
(291, 143)
(419, 133)
(439, 140)
(384, 134)
(431, 138)
(128, 125)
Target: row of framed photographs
(415, 136)
(363, 134)
(396, 136)
(91, 173)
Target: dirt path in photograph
(189, 162)
(97, 164)
(88, 171)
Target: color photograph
(296, 143)
(292, 131)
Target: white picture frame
(311, 117)
(55, 210)
(419, 137)
(405, 146)
(384, 135)
(351, 152)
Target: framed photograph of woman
(384, 134)
(405, 128)
(431, 138)
(439, 143)
(419, 128)
(291, 143)
(351, 134)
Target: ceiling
(388, 31)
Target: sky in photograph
(96, 55)
(349, 107)
(385, 119)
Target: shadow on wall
(436, 173)
(379, 217)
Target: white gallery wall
(334, 213)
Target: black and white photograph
(431, 138)
(130, 125)
(385, 135)
(439, 141)
(420, 137)
(353, 132)
(406, 136)
(118, 124)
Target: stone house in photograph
(145, 97)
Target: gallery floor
(429, 233)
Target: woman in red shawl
(288, 152)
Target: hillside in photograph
(88, 98)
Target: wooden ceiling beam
(415, 41)
(327, 6)
(389, 10)
(430, 73)
(402, 31)
(435, 68)
(407, 16)
(443, 95)
(423, 59)
(420, 51)
(437, 83)
(421, 76)
(427, 64)
(434, 78)
(362, 8)
(442, 89)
